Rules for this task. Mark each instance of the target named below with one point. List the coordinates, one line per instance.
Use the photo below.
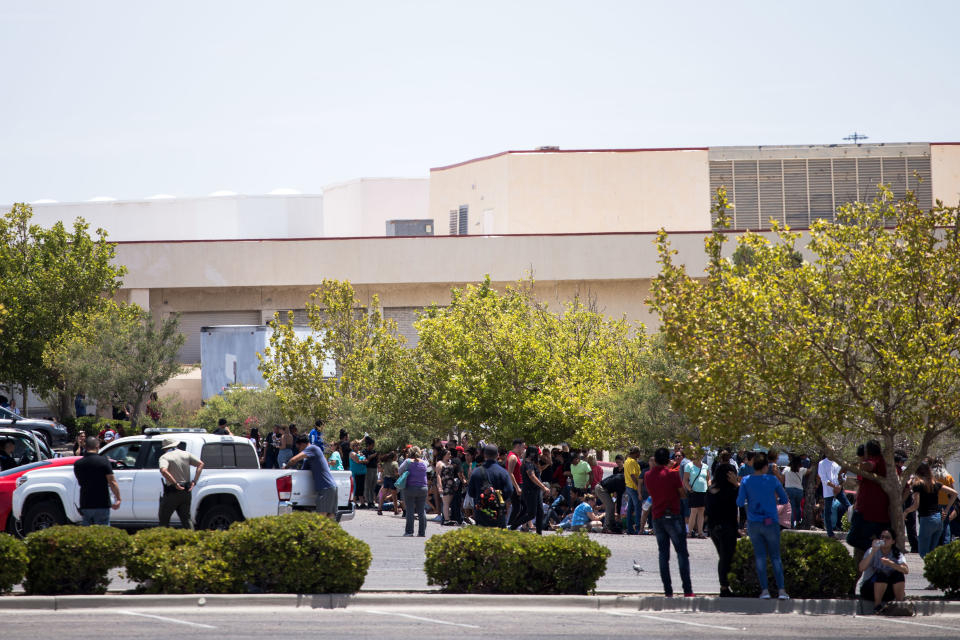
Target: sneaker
(689, 595)
(783, 595)
(764, 595)
(877, 610)
(439, 518)
(725, 592)
(408, 535)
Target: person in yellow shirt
(631, 477)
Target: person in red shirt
(514, 468)
(666, 488)
(871, 509)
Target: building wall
(945, 173)
(361, 208)
(576, 192)
(224, 217)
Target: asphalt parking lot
(463, 622)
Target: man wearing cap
(175, 468)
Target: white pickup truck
(232, 485)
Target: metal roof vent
(548, 148)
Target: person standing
(580, 472)
(631, 478)
(666, 488)
(514, 468)
(323, 482)
(222, 428)
(696, 477)
(724, 518)
(829, 473)
(925, 502)
(531, 492)
(372, 462)
(761, 493)
(95, 475)
(871, 509)
(177, 487)
(415, 492)
(793, 483)
(316, 434)
(493, 476)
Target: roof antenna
(855, 137)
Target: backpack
(489, 501)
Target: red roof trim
(524, 151)
(944, 144)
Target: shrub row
(486, 560)
(295, 553)
(813, 566)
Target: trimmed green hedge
(813, 567)
(13, 562)
(941, 567)
(70, 559)
(296, 553)
(489, 560)
(151, 548)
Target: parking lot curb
(702, 604)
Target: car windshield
(25, 467)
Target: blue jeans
(96, 516)
(795, 495)
(671, 529)
(828, 522)
(929, 533)
(766, 543)
(632, 525)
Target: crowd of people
(674, 495)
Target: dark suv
(52, 433)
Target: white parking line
(412, 617)
(165, 619)
(672, 620)
(922, 624)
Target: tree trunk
(810, 496)
(23, 405)
(891, 486)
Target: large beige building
(627, 190)
(578, 221)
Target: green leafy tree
(859, 343)
(504, 364)
(117, 355)
(373, 389)
(641, 414)
(47, 277)
(242, 408)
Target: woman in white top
(793, 483)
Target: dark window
(463, 218)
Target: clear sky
(132, 98)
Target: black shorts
(697, 499)
(863, 533)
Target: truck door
(123, 457)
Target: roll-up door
(192, 321)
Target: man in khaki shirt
(177, 488)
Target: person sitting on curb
(884, 568)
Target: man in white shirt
(829, 473)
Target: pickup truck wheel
(43, 515)
(220, 516)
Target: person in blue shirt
(761, 493)
(323, 482)
(316, 434)
(583, 514)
